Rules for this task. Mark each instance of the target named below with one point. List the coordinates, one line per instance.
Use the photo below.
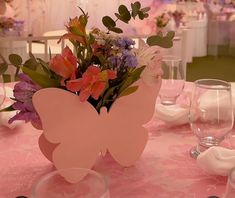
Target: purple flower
(23, 93)
(129, 59)
(115, 61)
(125, 43)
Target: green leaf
(91, 39)
(9, 108)
(170, 34)
(135, 10)
(125, 15)
(136, 5)
(135, 75)
(101, 58)
(165, 42)
(109, 93)
(108, 22)
(146, 15)
(3, 68)
(141, 15)
(31, 64)
(146, 9)
(40, 79)
(126, 83)
(6, 78)
(32, 56)
(116, 30)
(128, 91)
(15, 59)
(76, 31)
(83, 20)
(44, 66)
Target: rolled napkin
(172, 114)
(217, 160)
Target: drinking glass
(172, 80)
(53, 185)
(211, 113)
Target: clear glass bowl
(90, 185)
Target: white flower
(151, 58)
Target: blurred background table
(221, 39)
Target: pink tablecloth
(165, 169)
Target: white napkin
(172, 114)
(217, 160)
(175, 115)
(5, 116)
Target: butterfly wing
(72, 125)
(128, 137)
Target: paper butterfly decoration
(75, 134)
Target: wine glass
(211, 113)
(53, 185)
(172, 80)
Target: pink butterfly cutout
(74, 134)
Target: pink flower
(65, 64)
(92, 83)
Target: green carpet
(222, 67)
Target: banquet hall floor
(221, 67)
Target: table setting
(114, 121)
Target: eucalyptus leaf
(170, 34)
(141, 15)
(108, 22)
(146, 15)
(116, 30)
(128, 91)
(135, 10)
(125, 15)
(15, 59)
(164, 42)
(121, 18)
(3, 68)
(146, 9)
(40, 79)
(136, 5)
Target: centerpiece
(96, 99)
(10, 26)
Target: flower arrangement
(104, 66)
(10, 24)
(6, 23)
(178, 16)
